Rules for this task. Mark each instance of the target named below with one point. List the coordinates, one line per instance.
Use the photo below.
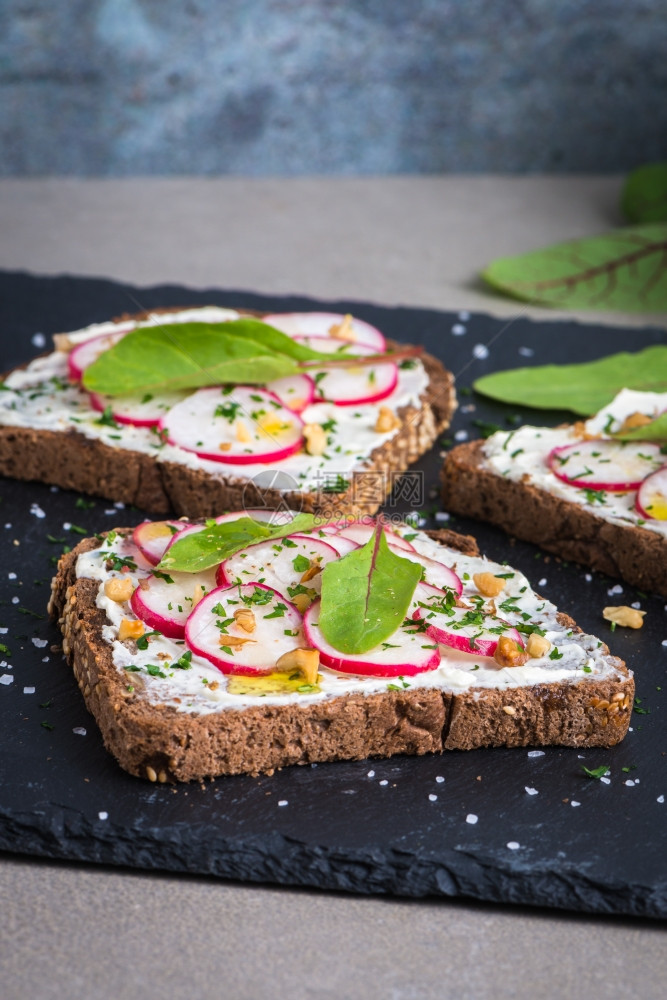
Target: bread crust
(161, 744)
(72, 461)
(534, 515)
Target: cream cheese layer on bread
(160, 673)
(522, 455)
(41, 397)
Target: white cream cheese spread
(41, 397)
(521, 455)
(196, 686)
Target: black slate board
(366, 827)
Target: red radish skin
(296, 392)
(204, 638)
(351, 386)
(435, 573)
(136, 411)
(224, 427)
(604, 465)
(484, 644)
(150, 601)
(405, 657)
(321, 324)
(152, 538)
(651, 502)
(83, 355)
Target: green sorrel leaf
(655, 431)
(202, 549)
(644, 197)
(625, 269)
(192, 355)
(365, 595)
(583, 388)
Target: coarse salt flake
(575, 804)
(660, 798)
(460, 435)
(384, 782)
(588, 577)
(616, 589)
(526, 352)
(629, 782)
(371, 774)
(458, 329)
(283, 802)
(605, 781)
(79, 731)
(15, 600)
(28, 690)
(432, 797)
(11, 576)
(439, 779)
(536, 753)
(40, 643)
(38, 340)
(6, 679)
(530, 791)
(36, 511)
(471, 818)
(542, 582)
(513, 845)
(103, 815)
(480, 351)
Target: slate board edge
(274, 859)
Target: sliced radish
(240, 426)
(328, 325)
(404, 654)
(469, 631)
(605, 465)
(341, 545)
(277, 629)
(280, 563)
(651, 500)
(152, 538)
(88, 351)
(141, 410)
(296, 392)
(163, 601)
(435, 573)
(354, 384)
(360, 532)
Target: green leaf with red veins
(193, 355)
(366, 595)
(199, 550)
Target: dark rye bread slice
(73, 461)
(159, 743)
(534, 515)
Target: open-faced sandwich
(194, 411)
(594, 492)
(254, 641)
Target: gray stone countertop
(69, 932)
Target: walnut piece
(312, 571)
(118, 590)
(343, 330)
(508, 653)
(306, 661)
(130, 629)
(234, 640)
(316, 439)
(197, 595)
(245, 619)
(537, 645)
(386, 420)
(624, 616)
(488, 584)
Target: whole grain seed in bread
(167, 713)
(52, 431)
(517, 480)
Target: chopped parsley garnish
(596, 772)
(227, 410)
(301, 563)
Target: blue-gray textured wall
(258, 87)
